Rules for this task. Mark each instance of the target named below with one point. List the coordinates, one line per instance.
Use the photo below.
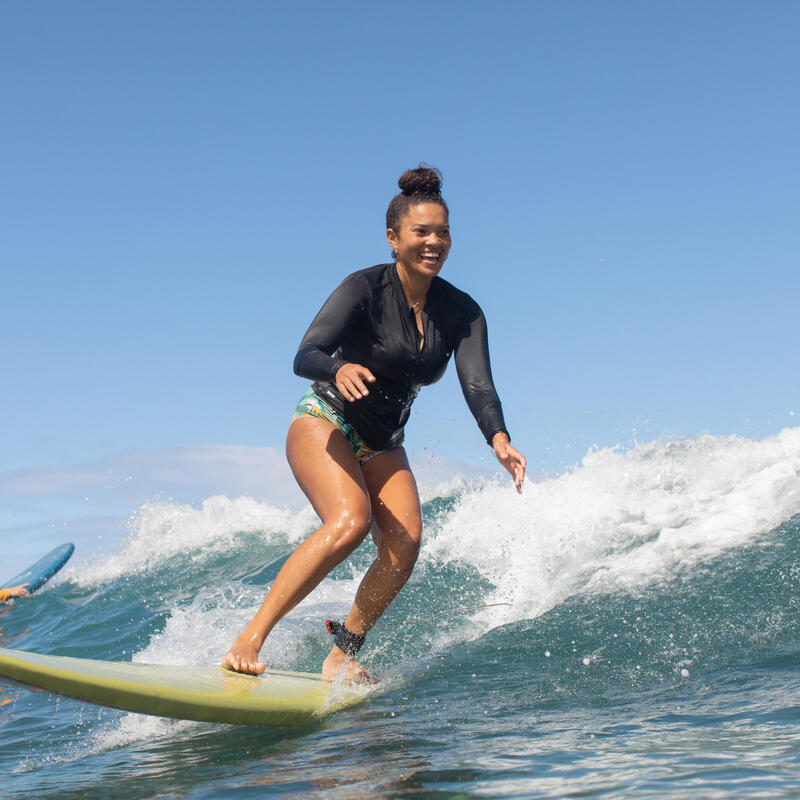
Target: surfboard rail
(202, 693)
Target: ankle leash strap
(347, 641)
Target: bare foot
(339, 665)
(243, 657)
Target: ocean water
(639, 636)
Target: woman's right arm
(317, 359)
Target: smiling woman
(385, 332)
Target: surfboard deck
(39, 573)
(206, 694)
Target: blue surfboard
(39, 573)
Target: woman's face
(423, 239)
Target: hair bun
(422, 180)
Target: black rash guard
(367, 320)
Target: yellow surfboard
(207, 694)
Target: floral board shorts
(312, 405)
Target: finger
(517, 473)
(352, 387)
(343, 388)
(356, 372)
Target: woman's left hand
(510, 458)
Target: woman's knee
(402, 545)
(350, 528)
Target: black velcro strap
(347, 641)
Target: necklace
(413, 306)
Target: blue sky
(183, 183)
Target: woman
(385, 332)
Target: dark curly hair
(420, 185)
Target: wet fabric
(367, 320)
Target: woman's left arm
(475, 375)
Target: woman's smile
(423, 239)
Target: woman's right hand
(351, 381)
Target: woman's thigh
(326, 469)
(394, 498)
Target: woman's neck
(415, 287)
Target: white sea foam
(202, 632)
(161, 530)
(621, 519)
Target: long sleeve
(316, 358)
(475, 375)
(367, 321)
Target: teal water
(647, 645)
